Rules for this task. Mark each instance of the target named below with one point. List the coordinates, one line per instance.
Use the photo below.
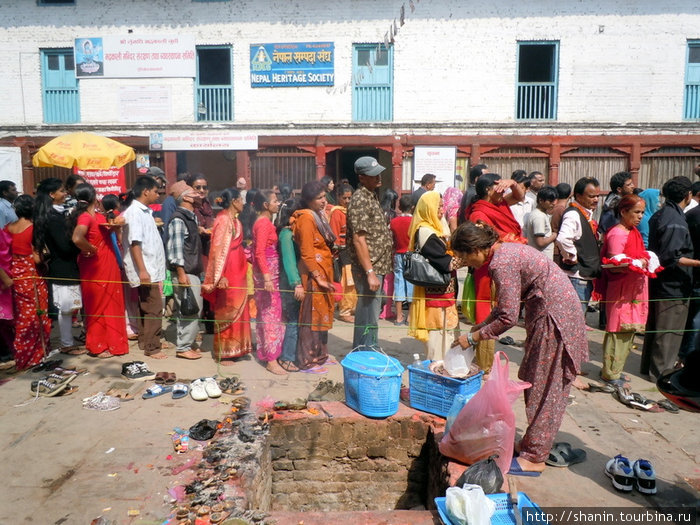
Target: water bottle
(417, 363)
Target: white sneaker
(644, 476)
(619, 471)
(198, 390)
(211, 387)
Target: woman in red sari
(225, 285)
(29, 291)
(103, 297)
(494, 196)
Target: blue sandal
(155, 391)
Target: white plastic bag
(469, 505)
(458, 360)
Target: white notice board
(438, 160)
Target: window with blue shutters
(373, 83)
(538, 65)
(60, 95)
(214, 93)
(691, 105)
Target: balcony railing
(61, 106)
(692, 102)
(537, 101)
(372, 103)
(214, 104)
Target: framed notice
(438, 160)
(202, 140)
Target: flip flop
(155, 391)
(330, 361)
(180, 390)
(606, 388)
(315, 370)
(47, 388)
(668, 406)
(516, 470)
(562, 455)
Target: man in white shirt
(522, 209)
(144, 263)
(577, 239)
(536, 184)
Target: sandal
(289, 366)
(74, 350)
(170, 378)
(47, 365)
(156, 390)
(562, 455)
(160, 378)
(606, 388)
(315, 370)
(180, 390)
(668, 406)
(47, 388)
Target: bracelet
(371, 270)
(470, 338)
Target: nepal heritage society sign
(292, 64)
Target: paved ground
(65, 464)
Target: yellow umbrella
(86, 151)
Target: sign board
(292, 64)
(133, 56)
(112, 180)
(145, 104)
(202, 140)
(438, 160)
(11, 166)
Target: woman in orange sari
(494, 196)
(225, 285)
(313, 235)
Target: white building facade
(568, 88)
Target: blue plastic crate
(434, 393)
(372, 383)
(504, 513)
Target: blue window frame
(537, 82)
(60, 95)
(691, 102)
(214, 84)
(373, 83)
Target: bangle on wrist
(371, 270)
(470, 338)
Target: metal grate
(214, 103)
(537, 101)
(275, 166)
(691, 108)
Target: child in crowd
(538, 225)
(338, 222)
(403, 290)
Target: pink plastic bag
(486, 424)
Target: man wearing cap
(185, 261)
(371, 250)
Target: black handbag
(418, 270)
(188, 304)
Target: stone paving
(67, 465)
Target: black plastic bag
(188, 303)
(203, 430)
(484, 473)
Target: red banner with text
(112, 180)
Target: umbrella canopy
(86, 151)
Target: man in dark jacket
(670, 240)
(185, 262)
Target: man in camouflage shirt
(371, 249)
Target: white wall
(454, 61)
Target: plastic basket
(434, 393)
(372, 383)
(503, 514)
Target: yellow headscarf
(424, 216)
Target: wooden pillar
(635, 162)
(554, 161)
(170, 167)
(397, 167)
(320, 161)
(242, 168)
(475, 157)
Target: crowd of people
(289, 262)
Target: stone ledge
(393, 517)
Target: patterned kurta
(556, 343)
